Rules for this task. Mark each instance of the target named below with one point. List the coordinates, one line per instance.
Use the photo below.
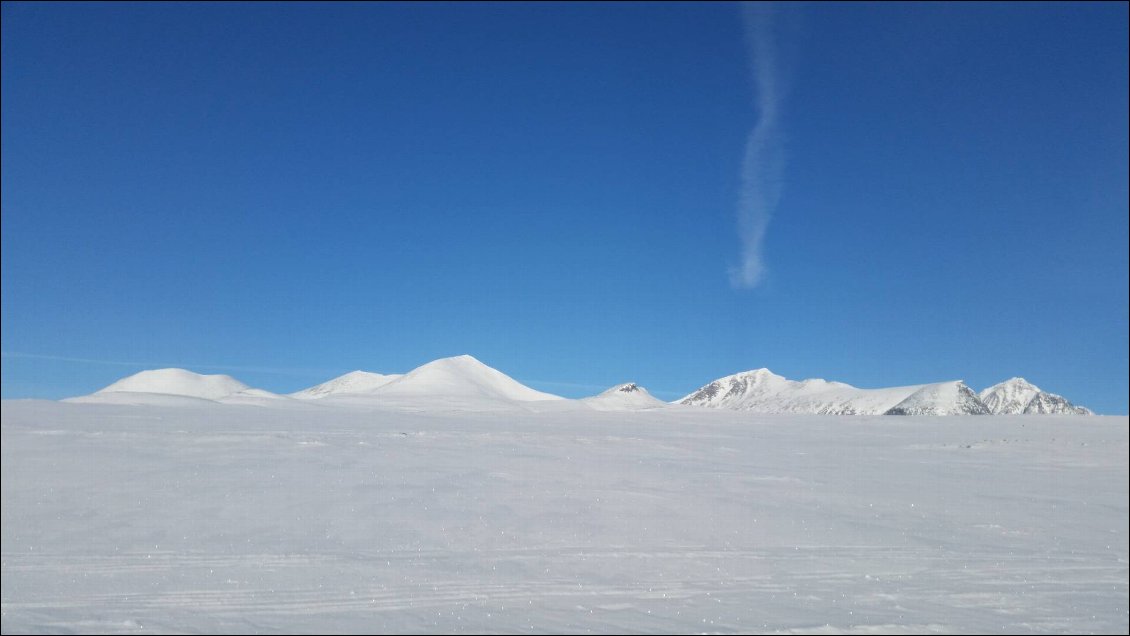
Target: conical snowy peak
(350, 383)
(1017, 396)
(624, 397)
(1009, 397)
(461, 377)
(944, 398)
(178, 382)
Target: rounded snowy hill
(624, 397)
(353, 382)
(178, 382)
(461, 379)
(177, 386)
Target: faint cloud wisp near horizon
(763, 165)
(161, 365)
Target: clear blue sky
(288, 192)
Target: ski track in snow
(127, 519)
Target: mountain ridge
(465, 382)
(762, 391)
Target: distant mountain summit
(460, 377)
(178, 382)
(762, 391)
(158, 386)
(945, 398)
(741, 391)
(624, 397)
(351, 383)
(1017, 396)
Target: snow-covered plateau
(472, 505)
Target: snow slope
(352, 382)
(1018, 396)
(762, 391)
(624, 397)
(176, 386)
(460, 380)
(944, 398)
(305, 518)
(178, 382)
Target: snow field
(223, 517)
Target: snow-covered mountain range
(462, 382)
(762, 391)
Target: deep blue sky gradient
(288, 192)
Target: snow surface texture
(308, 516)
(1018, 396)
(762, 391)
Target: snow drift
(311, 518)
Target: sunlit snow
(345, 514)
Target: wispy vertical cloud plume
(764, 162)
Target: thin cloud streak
(155, 365)
(764, 162)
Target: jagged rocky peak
(735, 388)
(630, 387)
(1017, 396)
(1051, 404)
